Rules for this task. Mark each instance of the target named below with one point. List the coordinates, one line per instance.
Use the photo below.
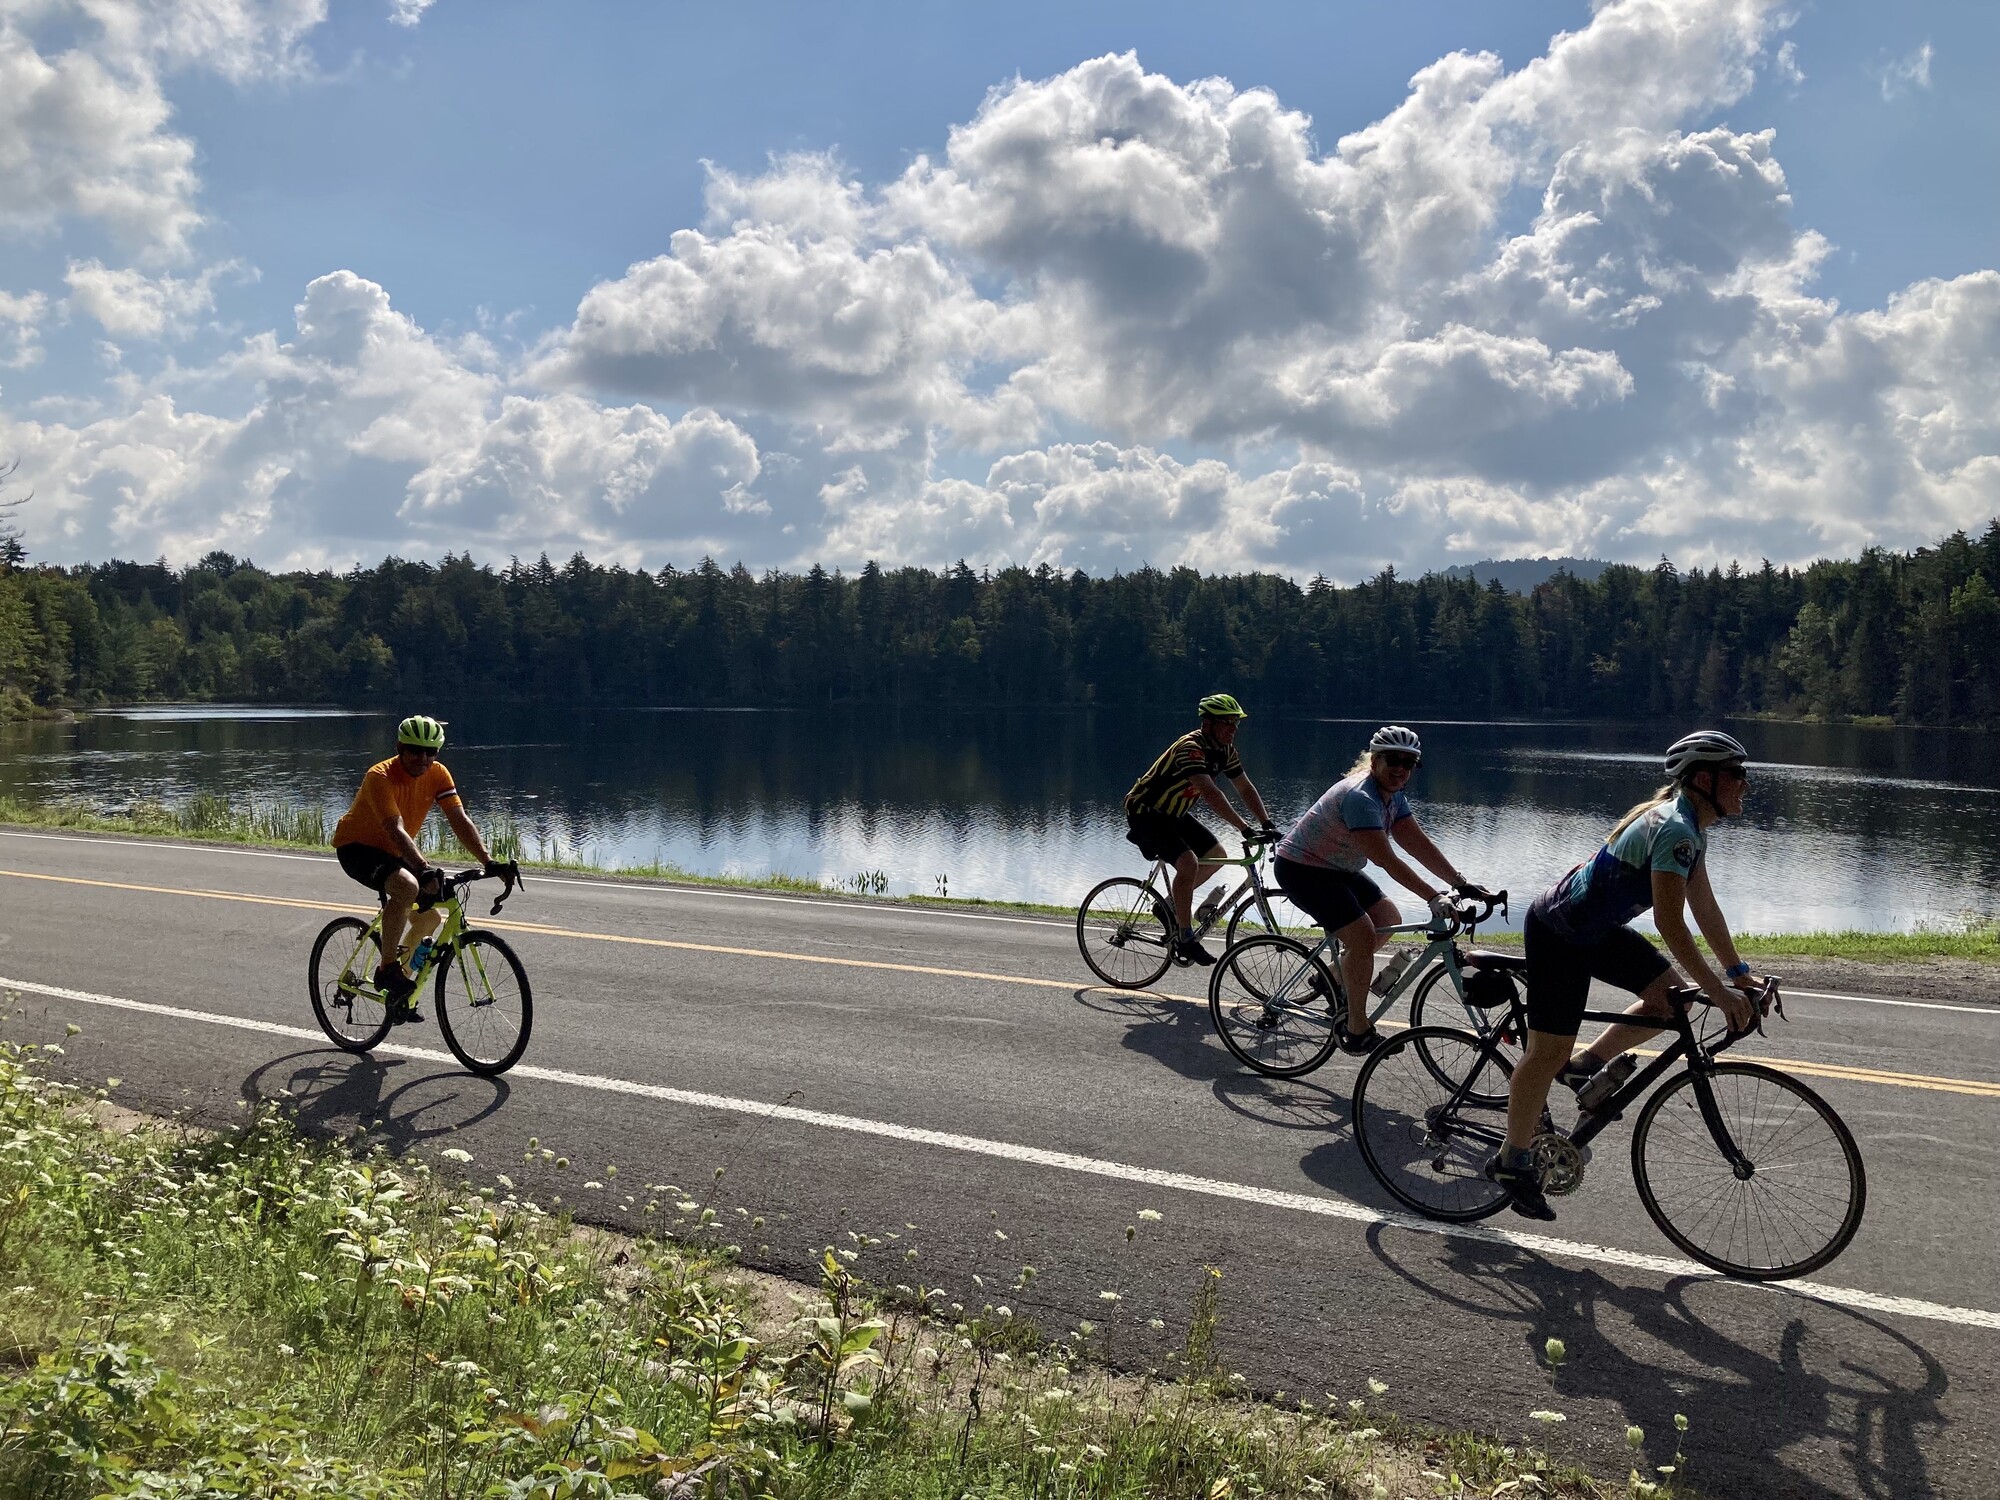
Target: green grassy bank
(217, 819)
(243, 1313)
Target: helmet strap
(1687, 785)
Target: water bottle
(1606, 1081)
(1210, 905)
(1391, 972)
(419, 958)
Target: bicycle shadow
(1753, 1413)
(1174, 1033)
(398, 1102)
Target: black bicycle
(1742, 1166)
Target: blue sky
(1096, 363)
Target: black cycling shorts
(1560, 971)
(1332, 898)
(1170, 835)
(367, 864)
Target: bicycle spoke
(1802, 1197)
(1273, 1006)
(1425, 1136)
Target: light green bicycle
(485, 1007)
(1274, 1000)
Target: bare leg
(1190, 875)
(1652, 1001)
(401, 891)
(1529, 1091)
(1358, 942)
(423, 924)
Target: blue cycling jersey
(1608, 890)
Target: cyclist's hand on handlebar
(508, 870)
(1443, 909)
(1734, 1003)
(1472, 892)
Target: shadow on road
(1832, 1406)
(1174, 1033)
(399, 1102)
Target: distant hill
(1517, 575)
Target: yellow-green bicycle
(484, 1005)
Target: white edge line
(1332, 1208)
(1973, 1010)
(833, 902)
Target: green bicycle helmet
(422, 731)
(1222, 706)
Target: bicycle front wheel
(1439, 993)
(340, 979)
(1427, 1140)
(1120, 936)
(1790, 1210)
(1273, 1005)
(485, 1008)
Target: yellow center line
(1976, 1088)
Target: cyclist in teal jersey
(1576, 932)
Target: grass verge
(243, 1313)
(216, 819)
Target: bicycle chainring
(1560, 1161)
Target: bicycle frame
(1442, 948)
(1250, 891)
(1687, 1044)
(444, 943)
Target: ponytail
(1666, 793)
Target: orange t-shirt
(386, 789)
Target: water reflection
(1847, 826)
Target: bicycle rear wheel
(340, 979)
(1799, 1205)
(1427, 1143)
(1273, 1005)
(484, 1005)
(1120, 936)
(1427, 1000)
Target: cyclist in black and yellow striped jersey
(1159, 821)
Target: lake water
(1846, 827)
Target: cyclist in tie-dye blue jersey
(1576, 931)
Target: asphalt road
(955, 1082)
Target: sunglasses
(1733, 773)
(418, 750)
(1401, 762)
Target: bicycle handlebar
(508, 873)
(1764, 999)
(1467, 912)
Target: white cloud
(128, 303)
(363, 433)
(85, 126)
(1907, 74)
(20, 329)
(81, 140)
(1122, 318)
(408, 12)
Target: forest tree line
(1910, 636)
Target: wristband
(1737, 970)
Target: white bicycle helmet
(1395, 737)
(1705, 747)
